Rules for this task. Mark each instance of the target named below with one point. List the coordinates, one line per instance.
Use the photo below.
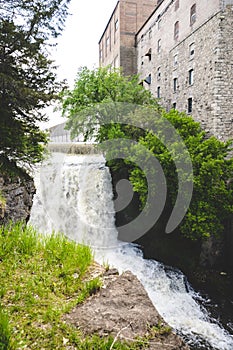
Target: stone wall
(202, 62)
(223, 88)
(202, 50)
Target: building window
(150, 34)
(193, 14)
(142, 41)
(159, 23)
(116, 62)
(148, 79)
(116, 25)
(158, 92)
(174, 105)
(176, 30)
(190, 105)
(175, 61)
(107, 41)
(191, 50)
(148, 54)
(101, 54)
(191, 77)
(159, 46)
(159, 73)
(175, 84)
(177, 5)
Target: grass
(4, 330)
(42, 278)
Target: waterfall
(74, 196)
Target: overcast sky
(78, 44)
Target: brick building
(117, 43)
(183, 53)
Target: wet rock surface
(18, 198)
(123, 310)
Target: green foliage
(41, 19)
(87, 105)
(27, 76)
(212, 199)
(91, 287)
(160, 328)
(112, 107)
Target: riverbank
(45, 279)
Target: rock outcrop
(17, 193)
(123, 310)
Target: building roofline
(156, 8)
(109, 21)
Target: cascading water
(74, 196)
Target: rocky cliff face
(17, 196)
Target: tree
(109, 106)
(212, 197)
(97, 89)
(27, 76)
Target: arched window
(190, 105)
(158, 73)
(159, 46)
(177, 5)
(158, 92)
(191, 77)
(191, 50)
(193, 14)
(175, 84)
(176, 30)
(116, 24)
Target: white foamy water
(74, 196)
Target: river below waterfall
(74, 196)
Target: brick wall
(109, 43)
(121, 50)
